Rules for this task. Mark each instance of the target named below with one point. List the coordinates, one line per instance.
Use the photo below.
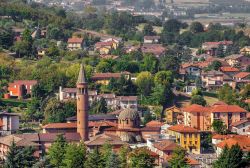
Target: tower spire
(81, 76)
(82, 105)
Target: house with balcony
(238, 60)
(212, 79)
(197, 116)
(229, 114)
(75, 43)
(241, 127)
(187, 137)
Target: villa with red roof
(242, 76)
(75, 43)
(211, 47)
(20, 88)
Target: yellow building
(186, 137)
(245, 50)
(104, 78)
(75, 43)
(171, 114)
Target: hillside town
(118, 89)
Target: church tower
(82, 105)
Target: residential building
(105, 47)
(187, 137)
(210, 48)
(212, 79)
(113, 101)
(191, 70)
(41, 52)
(164, 148)
(245, 50)
(228, 114)
(104, 78)
(172, 114)
(21, 88)
(242, 76)
(242, 141)
(241, 127)
(197, 116)
(156, 49)
(230, 71)
(75, 43)
(151, 39)
(9, 123)
(237, 60)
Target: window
(185, 135)
(195, 135)
(190, 135)
(127, 121)
(244, 130)
(195, 142)
(185, 142)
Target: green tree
(94, 160)
(33, 111)
(12, 158)
(144, 83)
(216, 65)
(197, 99)
(57, 111)
(75, 156)
(106, 151)
(148, 30)
(104, 66)
(196, 27)
(163, 77)
(140, 158)
(220, 51)
(19, 157)
(172, 25)
(149, 63)
(123, 155)
(219, 127)
(227, 94)
(57, 150)
(113, 161)
(230, 157)
(178, 159)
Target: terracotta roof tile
(235, 124)
(227, 109)
(194, 108)
(243, 142)
(165, 145)
(51, 137)
(229, 69)
(154, 124)
(183, 129)
(75, 40)
(242, 75)
(104, 138)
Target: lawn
(211, 100)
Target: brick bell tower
(82, 105)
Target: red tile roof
(165, 145)
(100, 76)
(227, 109)
(235, 124)
(242, 75)
(51, 137)
(156, 49)
(75, 40)
(154, 124)
(99, 140)
(152, 37)
(223, 137)
(24, 82)
(60, 126)
(242, 141)
(229, 69)
(183, 129)
(195, 108)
